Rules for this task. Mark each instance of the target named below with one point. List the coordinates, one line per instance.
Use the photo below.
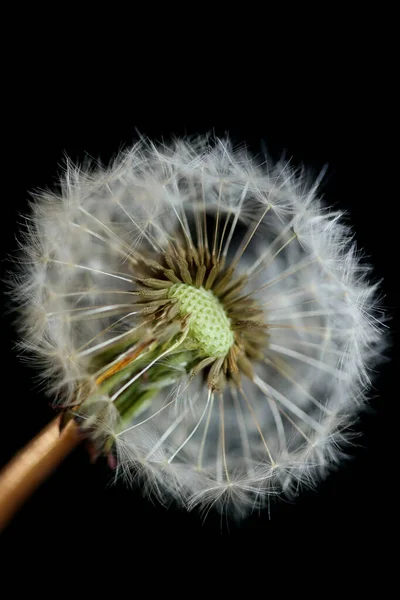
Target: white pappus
(205, 319)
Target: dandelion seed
(205, 320)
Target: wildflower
(204, 318)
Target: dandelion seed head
(206, 319)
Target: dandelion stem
(33, 464)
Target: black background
(318, 120)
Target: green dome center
(209, 327)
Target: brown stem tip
(33, 464)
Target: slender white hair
(207, 416)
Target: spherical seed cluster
(117, 269)
(209, 326)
